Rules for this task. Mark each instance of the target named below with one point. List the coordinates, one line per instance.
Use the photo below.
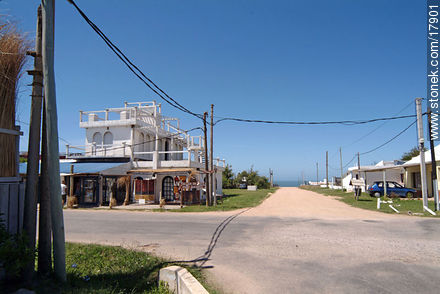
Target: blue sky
(272, 60)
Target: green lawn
(95, 268)
(405, 206)
(236, 199)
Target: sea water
(287, 183)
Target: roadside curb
(181, 281)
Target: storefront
(175, 186)
(94, 184)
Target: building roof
(416, 159)
(381, 165)
(105, 168)
(164, 170)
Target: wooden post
(342, 169)
(211, 156)
(317, 175)
(56, 207)
(206, 160)
(44, 224)
(31, 192)
(72, 182)
(326, 168)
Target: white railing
(102, 150)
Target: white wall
(371, 177)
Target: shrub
(14, 252)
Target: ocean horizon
(287, 183)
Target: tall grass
(13, 46)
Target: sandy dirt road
(286, 245)
(296, 202)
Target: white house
(373, 173)
(165, 161)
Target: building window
(144, 189)
(97, 138)
(417, 180)
(108, 138)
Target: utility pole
(317, 175)
(211, 155)
(326, 168)
(30, 205)
(359, 165)
(421, 144)
(433, 163)
(342, 169)
(44, 223)
(271, 177)
(205, 114)
(56, 206)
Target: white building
(162, 157)
(374, 173)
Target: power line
(351, 160)
(343, 122)
(25, 123)
(132, 67)
(378, 127)
(393, 138)
(381, 145)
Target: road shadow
(200, 261)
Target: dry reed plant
(13, 47)
(124, 183)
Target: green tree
(410, 154)
(253, 178)
(228, 177)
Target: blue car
(376, 190)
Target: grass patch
(235, 199)
(93, 268)
(405, 206)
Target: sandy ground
(296, 202)
(296, 241)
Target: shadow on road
(201, 260)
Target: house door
(89, 190)
(168, 189)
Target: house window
(417, 180)
(144, 187)
(108, 138)
(168, 188)
(97, 138)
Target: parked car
(376, 190)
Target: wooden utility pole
(359, 165)
(56, 206)
(30, 205)
(317, 175)
(271, 177)
(342, 169)
(421, 144)
(434, 181)
(205, 114)
(326, 168)
(211, 156)
(44, 224)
